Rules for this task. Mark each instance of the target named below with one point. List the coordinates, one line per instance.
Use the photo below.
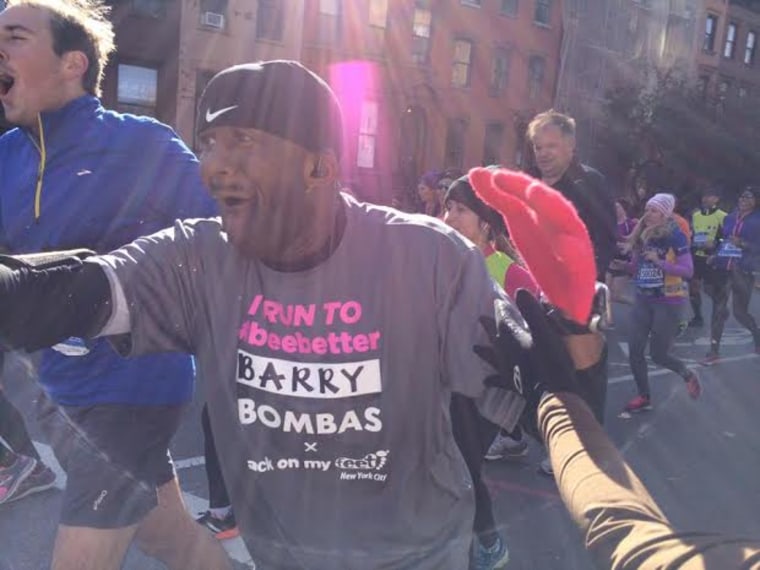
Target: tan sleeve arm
(622, 525)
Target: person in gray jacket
(335, 332)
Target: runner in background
(661, 263)
(705, 224)
(617, 280)
(734, 263)
(477, 437)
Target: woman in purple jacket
(661, 264)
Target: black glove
(36, 301)
(528, 353)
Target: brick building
(726, 55)
(424, 83)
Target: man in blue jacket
(75, 175)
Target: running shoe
(638, 404)
(41, 479)
(222, 529)
(496, 556)
(506, 447)
(710, 358)
(13, 475)
(692, 385)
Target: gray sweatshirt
(328, 389)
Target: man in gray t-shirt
(331, 335)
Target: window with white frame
(329, 7)
(378, 13)
(455, 140)
(137, 89)
(421, 24)
(749, 48)
(509, 7)
(329, 25)
(365, 156)
(711, 28)
(730, 45)
(492, 143)
(543, 12)
(460, 72)
(475, 3)
(269, 20)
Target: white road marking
(663, 371)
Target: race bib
(72, 346)
(701, 239)
(649, 276)
(727, 249)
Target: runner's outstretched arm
(58, 297)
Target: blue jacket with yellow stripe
(99, 179)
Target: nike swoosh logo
(211, 116)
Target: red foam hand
(551, 238)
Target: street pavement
(699, 460)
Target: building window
(492, 143)
(723, 88)
(269, 20)
(536, 72)
(213, 13)
(365, 156)
(460, 73)
(499, 71)
(749, 48)
(543, 12)
(136, 90)
(711, 27)
(475, 3)
(329, 7)
(509, 7)
(378, 13)
(421, 24)
(728, 49)
(149, 8)
(329, 21)
(742, 92)
(455, 138)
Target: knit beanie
(663, 203)
(279, 97)
(461, 191)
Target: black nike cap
(280, 97)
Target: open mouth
(6, 83)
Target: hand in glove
(528, 353)
(29, 283)
(551, 238)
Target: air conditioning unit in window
(213, 20)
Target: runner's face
(427, 194)
(31, 74)
(747, 202)
(553, 150)
(258, 182)
(653, 216)
(709, 201)
(465, 221)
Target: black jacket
(587, 189)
